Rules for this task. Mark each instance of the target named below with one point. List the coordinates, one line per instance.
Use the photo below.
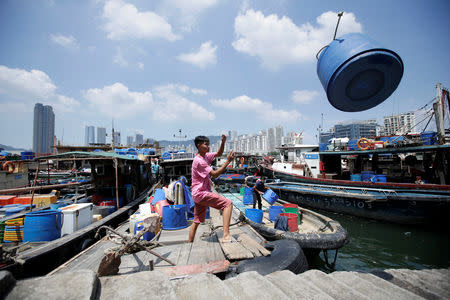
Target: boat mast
(438, 109)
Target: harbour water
(381, 245)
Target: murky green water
(375, 244)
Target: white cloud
(119, 59)
(205, 56)
(186, 13)
(117, 101)
(141, 65)
(304, 96)
(166, 103)
(68, 42)
(278, 41)
(22, 84)
(29, 87)
(263, 110)
(124, 20)
(199, 92)
(175, 105)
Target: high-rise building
(101, 135)
(399, 124)
(139, 139)
(356, 129)
(116, 138)
(89, 135)
(271, 140)
(43, 128)
(130, 140)
(279, 132)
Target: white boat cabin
(302, 160)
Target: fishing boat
(118, 185)
(396, 206)
(314, 232)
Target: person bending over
(201, 186)
(258, 190)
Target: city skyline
(157, 66)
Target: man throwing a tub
(201, 186)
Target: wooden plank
(211, 267)
(233, 250)
(252, 245)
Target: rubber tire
(286, 255)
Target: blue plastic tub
(248, 190)
(357, 73)
(355, 177)
(174, 217)
(274, 211)
(367, 175)
(254, 214)
(43, 225)
(147, 236)
(248, 199)
(270, 196)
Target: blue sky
(206, 66)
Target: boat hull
(391, 207)
(423, 188)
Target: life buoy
(363, 143)
(9, 166)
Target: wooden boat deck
(205, 254)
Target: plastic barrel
(248, 199)
(147, 236)
(174, 217)
(293, 210)
(254, 214)
(274, 211)
(355, 177)
(357, 73)
(44, 225)
(367, 175)
(270, 196)
(292, 221)
(290, 205)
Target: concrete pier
(313, 284)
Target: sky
(203, 66)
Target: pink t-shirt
(200, 175)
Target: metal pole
(437, 106)
(34, 185)
(117, 182)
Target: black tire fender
(286, 255)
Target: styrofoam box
(76, 216)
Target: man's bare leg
(226, 215)
(192, 232)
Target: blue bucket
(248, 199)
(270, 196)
(43, 225)
(367, 175)
(355, 177)
(248, 190)
(357, 73)
(274, 211)
(147, 236)
(254, 214)
(174, 217)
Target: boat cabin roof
(86, 155)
